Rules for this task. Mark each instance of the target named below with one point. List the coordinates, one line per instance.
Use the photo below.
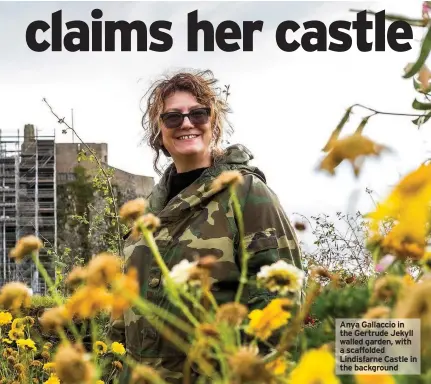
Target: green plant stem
(149, 313)
(147, 307)
(54, 293)
(244, 253)
(171, 288)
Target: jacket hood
(235, 157)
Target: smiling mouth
(187, 137)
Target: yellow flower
(118, 348)
(100, 382)
(100, 347)
(132, 209)
(26, 344)
(126, 289)
(76, 277)
(408, 280)
(102, 269)
(53, 379)
(315, 366)
(247, 366)
(352, 148)
(374, 379)
(14, 295)
(15, 334)
(277, 367)
(88, 301)
(5, 318)
(408, 204)
(7, 341)
(24, 246)
(406, 239)
(53, 318)
(148, 221)
(18, 323)
(49, 367)
(227, 178)
(263, 322)
(72, 366)
(232, 314)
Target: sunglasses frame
(184, 115)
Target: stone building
(47, 190)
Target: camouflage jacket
(199, 222)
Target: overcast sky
(285, 105)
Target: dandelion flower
(132, 209)
(7, 341)
(26, 344)
(14, 295)
(36, 363)
(18, 323)
(25, 246)
(281, 277)
(277, 367)
(126, 289)
(374, 379)
(102, 269)
(100, 347)
(352, 148)
(117, 365)
(248, 366)
(315, 366)
(15, 334)
(231, 313)
(118, 348)
(53, 318)
(143, 373)
(49, 367)
(227, 178)
(72, 366)
(5, 318)
(53, 379)
(88, 301)
(263, 322)
(76, 277)
(148, 221)
(100, 382)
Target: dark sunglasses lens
(173, 120)
(199, 116)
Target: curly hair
(200, 84)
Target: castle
(33, 172)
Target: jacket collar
(235, 157)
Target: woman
(185, 119)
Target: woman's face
(188, 142)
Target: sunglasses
(198, 116)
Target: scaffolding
(28, 202)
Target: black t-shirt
(180, 181)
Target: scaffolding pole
(28, 201)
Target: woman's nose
(186, 123)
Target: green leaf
(422, 119)
(421, 106)
(425, 50)
(362, 125)
(338, 129)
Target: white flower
(281, 277)
(180, 273)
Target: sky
(285, 105)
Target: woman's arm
(269, 235)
